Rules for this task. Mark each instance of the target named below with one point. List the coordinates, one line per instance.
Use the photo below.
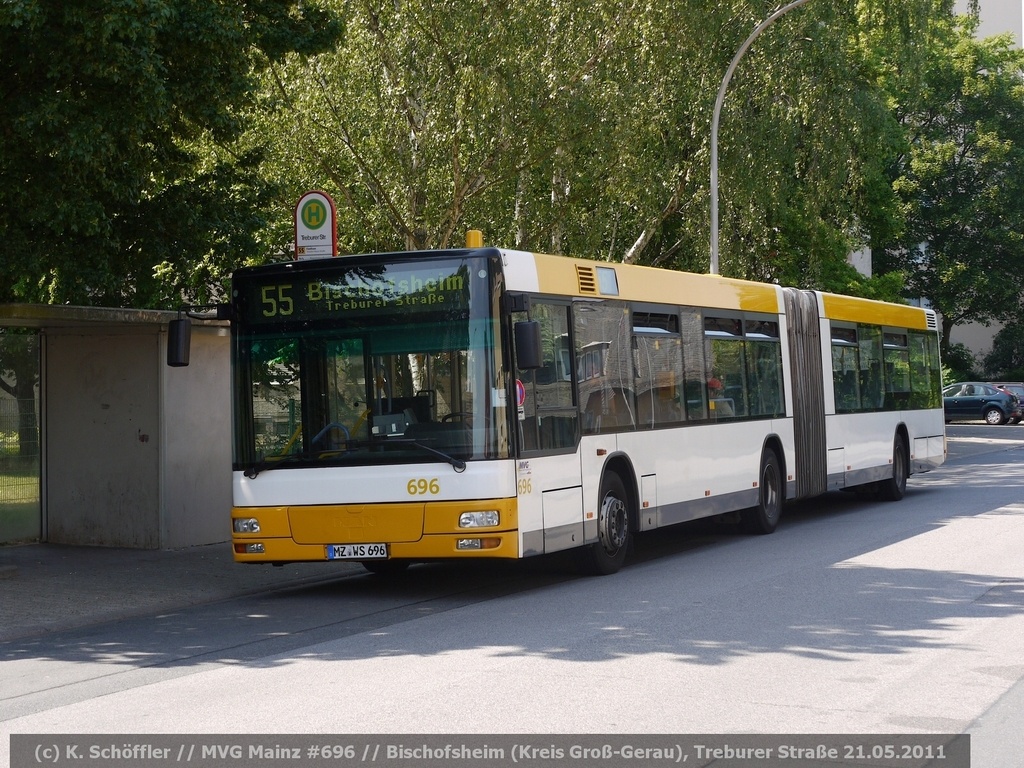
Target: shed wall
(102, 402)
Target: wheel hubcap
(612, 525)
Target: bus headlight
(245, 525)
(484, 519)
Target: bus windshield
(357, 362)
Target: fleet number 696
(421, 486)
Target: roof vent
(587, 279)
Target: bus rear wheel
(895, 487)
(764, 517)
(608, 553)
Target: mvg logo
(223, 751)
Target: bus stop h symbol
(314, 214)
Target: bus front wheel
(764, 517)
(608, 553)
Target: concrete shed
(133, 453)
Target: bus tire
(895, 487)
(764, 517)
(607, 554)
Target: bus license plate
(357, 551)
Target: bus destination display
(352, 293)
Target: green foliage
(148, 147)
(840, 277)
(1006, 360)
(958, 364)
(961, 180)
(434, 115)
(584, 129)
(109, 109)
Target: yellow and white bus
(483, 402)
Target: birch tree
(583, 128)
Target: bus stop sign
(316, 227)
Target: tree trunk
(947, 329)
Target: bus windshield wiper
(273, 463)
(457, 464)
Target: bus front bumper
(407, 531)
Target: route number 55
(276, 300)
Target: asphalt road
(855, 617)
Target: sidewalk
(49, 587)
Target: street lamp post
(717, 116)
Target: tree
(961, 181)
(584, 129)
(1006, 360)
(138, 163)
(435, 114)
(806, 138)
(110, 191)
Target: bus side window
(727, 389)
(603, 335)
(765, 377)
(548, 419)
(691, 326)
(896, 356)
(925, 375)
(846, 391)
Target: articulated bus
(489, 403)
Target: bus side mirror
(529, 351)
(179, 339)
